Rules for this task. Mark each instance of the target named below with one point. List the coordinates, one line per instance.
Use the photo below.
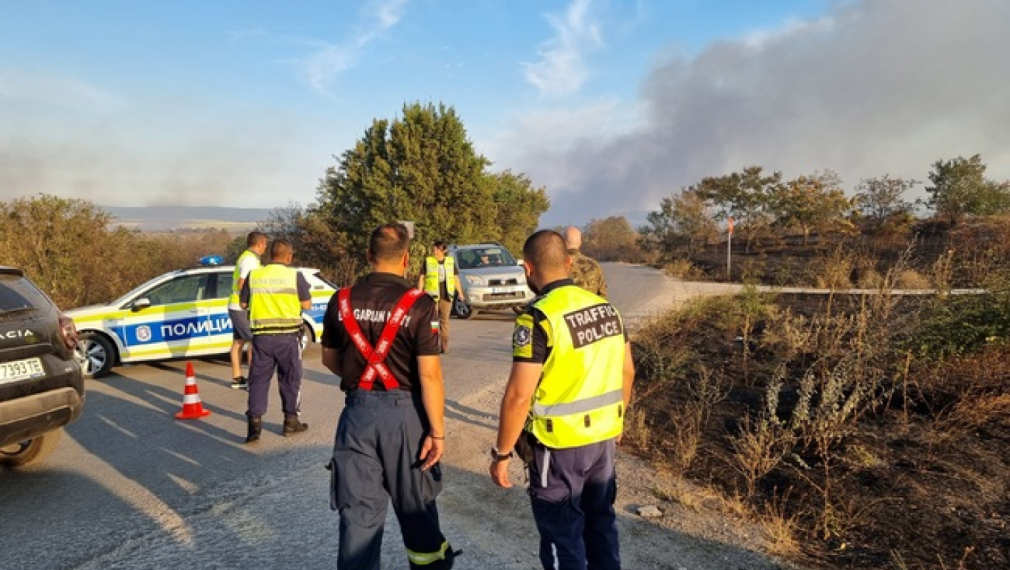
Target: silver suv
(491, 278)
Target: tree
(518, 207)
(811, 202)
(959, 187)
(744, 196)
(880, 200)
(684, 219)
(611, 239)
(421, 168)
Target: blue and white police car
(180, 314)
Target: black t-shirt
(373, 298)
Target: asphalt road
(131, 487)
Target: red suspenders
(376, 356)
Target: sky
(609, 105)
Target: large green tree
(518, 206)
(959, 187)
(420, 167)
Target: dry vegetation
(859, 430)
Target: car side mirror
(141, 304)
(519, 262)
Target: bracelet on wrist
(437, 436)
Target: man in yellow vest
(440, 280)
(564, 408)
(256, 246)
(276, 295)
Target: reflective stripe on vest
(274, 307)
(235, 277)
(580, 397)
(431, 276)
(376, 356)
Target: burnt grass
(917, 477)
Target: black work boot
(293, 425)
(255, 429)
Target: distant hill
(161, 218)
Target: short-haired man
(440, 280)
(256, 246)
(566, 397)
(276, 295)
(380, 337)
(586, 272)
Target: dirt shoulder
(495, 527)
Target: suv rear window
(18, 294)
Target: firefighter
(440, 280)
(564, 406)
(275, 296)
(380, 337)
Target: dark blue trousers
(283, 353)
(572, 492)
(375, 460)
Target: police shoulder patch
(522, 336)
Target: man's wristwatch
(498, 456)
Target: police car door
(215, 305)
(166, 321)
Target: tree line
(764, 205)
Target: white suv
(491, 278)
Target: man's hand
(499, 471)
(431, 451)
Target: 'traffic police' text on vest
(431, 276)
(274, 307)
(235, 277)
(580, 398)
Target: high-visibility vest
(236, 277)
(580, 398)
(274, 307)
(431, 276)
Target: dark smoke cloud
(874, 87)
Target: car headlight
(474, 280)
(522, 279)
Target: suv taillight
(68, 332)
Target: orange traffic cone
(192, 407)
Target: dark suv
(41, 385)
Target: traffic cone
(192, 407)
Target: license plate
(21, 370)
(501, 290)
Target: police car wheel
(96, 355)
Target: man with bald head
(563, 410)
(586, 272)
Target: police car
(180, 314)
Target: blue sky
(608, 104)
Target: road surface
(131, 487)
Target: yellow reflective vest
(236, 277)
(274, 307)
(431, 276)
(580, 398)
